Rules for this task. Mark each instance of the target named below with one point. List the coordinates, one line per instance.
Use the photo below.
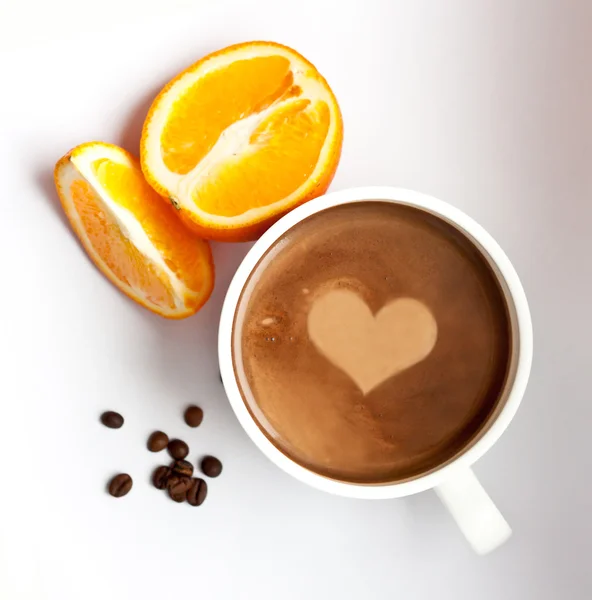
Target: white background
(483, 103)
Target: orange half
(131, 235)
(242, 137)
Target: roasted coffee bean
(197, 492)
(178, 449)
(112, 419)
(178, 487)
(161, 477)
(158, 441)
(193, 416)
(183, 468)
(120, 485)
(211, 466)
(175, 480)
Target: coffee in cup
(371, 343)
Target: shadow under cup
(413, 422)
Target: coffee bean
(211, 466)
(161, 477)
(197, 492)
(158, 441)
(178, 487)
(172, 480)
(178, 449)
(183, 468)
(193, 416)
(120, 485)
(112, 419)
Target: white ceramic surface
(512, 394)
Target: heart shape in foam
(371, 348)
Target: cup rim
(523, 328)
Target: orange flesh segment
(179, 248)
(218, 100)
(122, 258)
(284, 152)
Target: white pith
(80, 167)
(234, 140)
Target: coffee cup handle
(480, 521)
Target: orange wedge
(242, 137)
(131, 235)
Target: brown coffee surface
(371, 419)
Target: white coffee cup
(454, 482)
